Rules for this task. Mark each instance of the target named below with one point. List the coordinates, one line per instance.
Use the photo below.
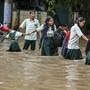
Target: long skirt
(47, 49)
(74, 54)
(14, 47)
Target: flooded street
(28, 70)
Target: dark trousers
(28, 43)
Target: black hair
(32, 11)
(64, 25)
(16, 27)
(48, 19)
(80, 19)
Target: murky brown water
(28, 71)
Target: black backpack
(58, 38)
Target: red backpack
(4, 28)
(67, 36)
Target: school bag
(58, 38)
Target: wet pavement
(28, 70)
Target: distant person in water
(74, 52)
(14, 34)
(65, 41)
(47, 33)
(30, 24)
(87, 51)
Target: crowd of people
(53, 41)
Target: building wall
(41, 16)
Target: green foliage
(51, 4)
(82, 6)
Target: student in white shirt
(74, 52)
(14, 34)
(30, 24)
(47, 33)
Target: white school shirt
(30, 26)
(74, 37)
(17, 35)
(49, 30)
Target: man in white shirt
(30, 24)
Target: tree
(51, 6)
(82, 6)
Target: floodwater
(28, 70)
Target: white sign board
(7, 13)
